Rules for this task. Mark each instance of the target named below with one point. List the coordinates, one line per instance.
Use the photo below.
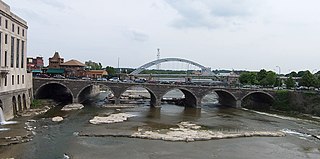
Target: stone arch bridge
(78, 90)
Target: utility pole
(279, 77)
(158, 57)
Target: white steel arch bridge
(204, 70)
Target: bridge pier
(238, 104)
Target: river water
(52, 140)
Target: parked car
(114, 79)
(86, 78)
(44, 76)
(59, 77)
(102, 79)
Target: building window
(12, 52)
(12, 79)
(6, 38)
(18, 79)
(22, 32)
(0, 48)
(18, 30)
(6, 23)
(0, 21)
(18, 49)
(13, 28)
(6, 58)
(22, 54)
(6, 81)
(22, 79)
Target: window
(6, 38)
(12, 52)
(6, 23)
(18, 30)
(0, 48)
(17, 57)
(12, 79)
(13, 28)
(22, 79)
(0, 21)
(22, 54)
(22, 32)
(6, 58)
(18, 79)
(6, 81)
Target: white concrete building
(15, 82)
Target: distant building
(96, 73)
(55, 61)
(15, 82)
(73, 68)
(34, 63)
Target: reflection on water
(55, 139)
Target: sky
(221, 34)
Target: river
(52, 140)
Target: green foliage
(290, 83)
(292, 74)
(249, 78)
(282, 101)
(93, 65)
(308, 80)
(36, 103)
(111, 71)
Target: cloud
(210, 13)
(136, 35)
(54, 3)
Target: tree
(248, 78)
(111, 71)
(308, 80)
(290, 83)
(292, 74)
(261, 75)
(93, 65)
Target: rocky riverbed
(112, 118)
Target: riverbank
(21, 130)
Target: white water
(280, 116)
(3, 120)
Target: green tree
(93, 65)
(293, 74)
(290, 83)
(261, 75)
(308, 80)
(111, 71)
(248, 78)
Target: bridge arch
(87, 92)
(259, 100)
(155, 62)
(54, 90)
(191, 100)
(225, 97)
(153, 97)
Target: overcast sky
(221, 34)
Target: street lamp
(279, 76)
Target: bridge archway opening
(14, 105)
(19, 103)
(210, 99)
(138, 95)
(219, 98)
(181, 97)
(56, 91)
(97, 94)
(24, 100)
(257, 101)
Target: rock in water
(57, 119)
(113, 118)
(70, 107)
